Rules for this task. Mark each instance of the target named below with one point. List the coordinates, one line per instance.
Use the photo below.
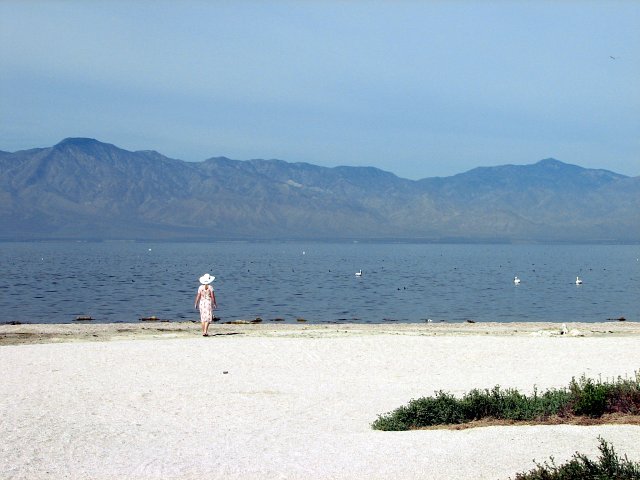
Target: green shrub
(595, 398)
(584, 397)
(609, 466)
(438, 410)
(510, 404)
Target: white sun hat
(206, 279)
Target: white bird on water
(578, 281)
(516, 280)
(359, 273)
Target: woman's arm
(195, 303)
(213, 299)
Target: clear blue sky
(418, 88)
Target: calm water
(122, 281)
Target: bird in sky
(612, 57)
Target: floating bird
(578, 281)
(359, 273)
(516, 280)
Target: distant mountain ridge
(85, 189)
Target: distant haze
(420, 89)
(81, 188)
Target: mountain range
(85, 189)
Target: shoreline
(29, 333)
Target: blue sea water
(54, 282)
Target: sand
(141, 401)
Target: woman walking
(206, 302)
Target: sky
(417, 88)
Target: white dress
(205, 305)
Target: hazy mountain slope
(549, 199)
(82, 188)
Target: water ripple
(400, 282)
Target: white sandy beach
(297, 401)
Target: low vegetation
(609, 466)
(584, 398)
